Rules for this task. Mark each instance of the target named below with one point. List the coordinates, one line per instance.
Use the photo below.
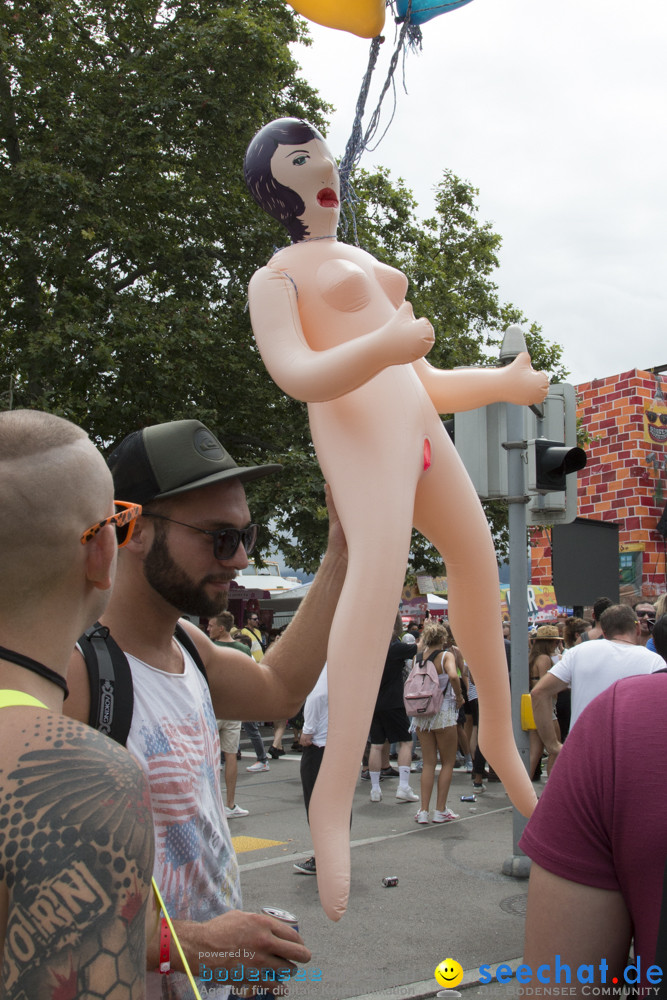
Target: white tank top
(174, 736)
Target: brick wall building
(625, 479)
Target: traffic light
(553, 458)
(549, 462)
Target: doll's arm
(315, 376)
(456, 390)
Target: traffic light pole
(518, 864)
(516, 446)
(524, 455)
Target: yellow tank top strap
(11, 699)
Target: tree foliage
(127, 238)
(126, 235)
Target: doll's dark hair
(281, 202)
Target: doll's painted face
(310, 170)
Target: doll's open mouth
(327, 198)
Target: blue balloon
(423, 10)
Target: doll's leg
(449, 514)
(378, 538)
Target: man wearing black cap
(193, 537)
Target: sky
(557, 112)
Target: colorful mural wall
(625, 479)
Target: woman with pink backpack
(437, 732)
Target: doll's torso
(343, 292)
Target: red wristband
(165, 947)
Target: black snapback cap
(167, 459)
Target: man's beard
(171, 582)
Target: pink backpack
(422, 694)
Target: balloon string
(359, 142)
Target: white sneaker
(376, 795)
(444, 817)
(405, 794)
(261, 765)
(236, 811)
(422, 816)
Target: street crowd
(117, 868)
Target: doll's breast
(393, 282)
(344, 285)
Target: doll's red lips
(327, 198)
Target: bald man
(76, 838)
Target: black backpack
(110, 676)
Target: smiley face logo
(449, 972)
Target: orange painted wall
(625, 479)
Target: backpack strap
(110, 677)
(419, 657)
(111, 687)
(432, 657)
(189, 644)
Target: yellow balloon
(449, 973)
(362, 17)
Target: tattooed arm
(76, 859)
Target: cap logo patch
(208, 446)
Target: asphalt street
(452, 899)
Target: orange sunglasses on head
(123, 521)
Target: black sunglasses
(225, 540)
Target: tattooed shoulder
(76, 859)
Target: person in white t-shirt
(591, 667)
(313, 740)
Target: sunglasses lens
(228, 541)
(125, 528)
(250, 539)
(122, 534)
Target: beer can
(390, 880)
(287, 918)
(468, 798)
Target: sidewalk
(451, 901)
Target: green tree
(126, 234)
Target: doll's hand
(407, 339)
(524, 385)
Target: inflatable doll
(334, 330)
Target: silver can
(287, 918)
(390, 880)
